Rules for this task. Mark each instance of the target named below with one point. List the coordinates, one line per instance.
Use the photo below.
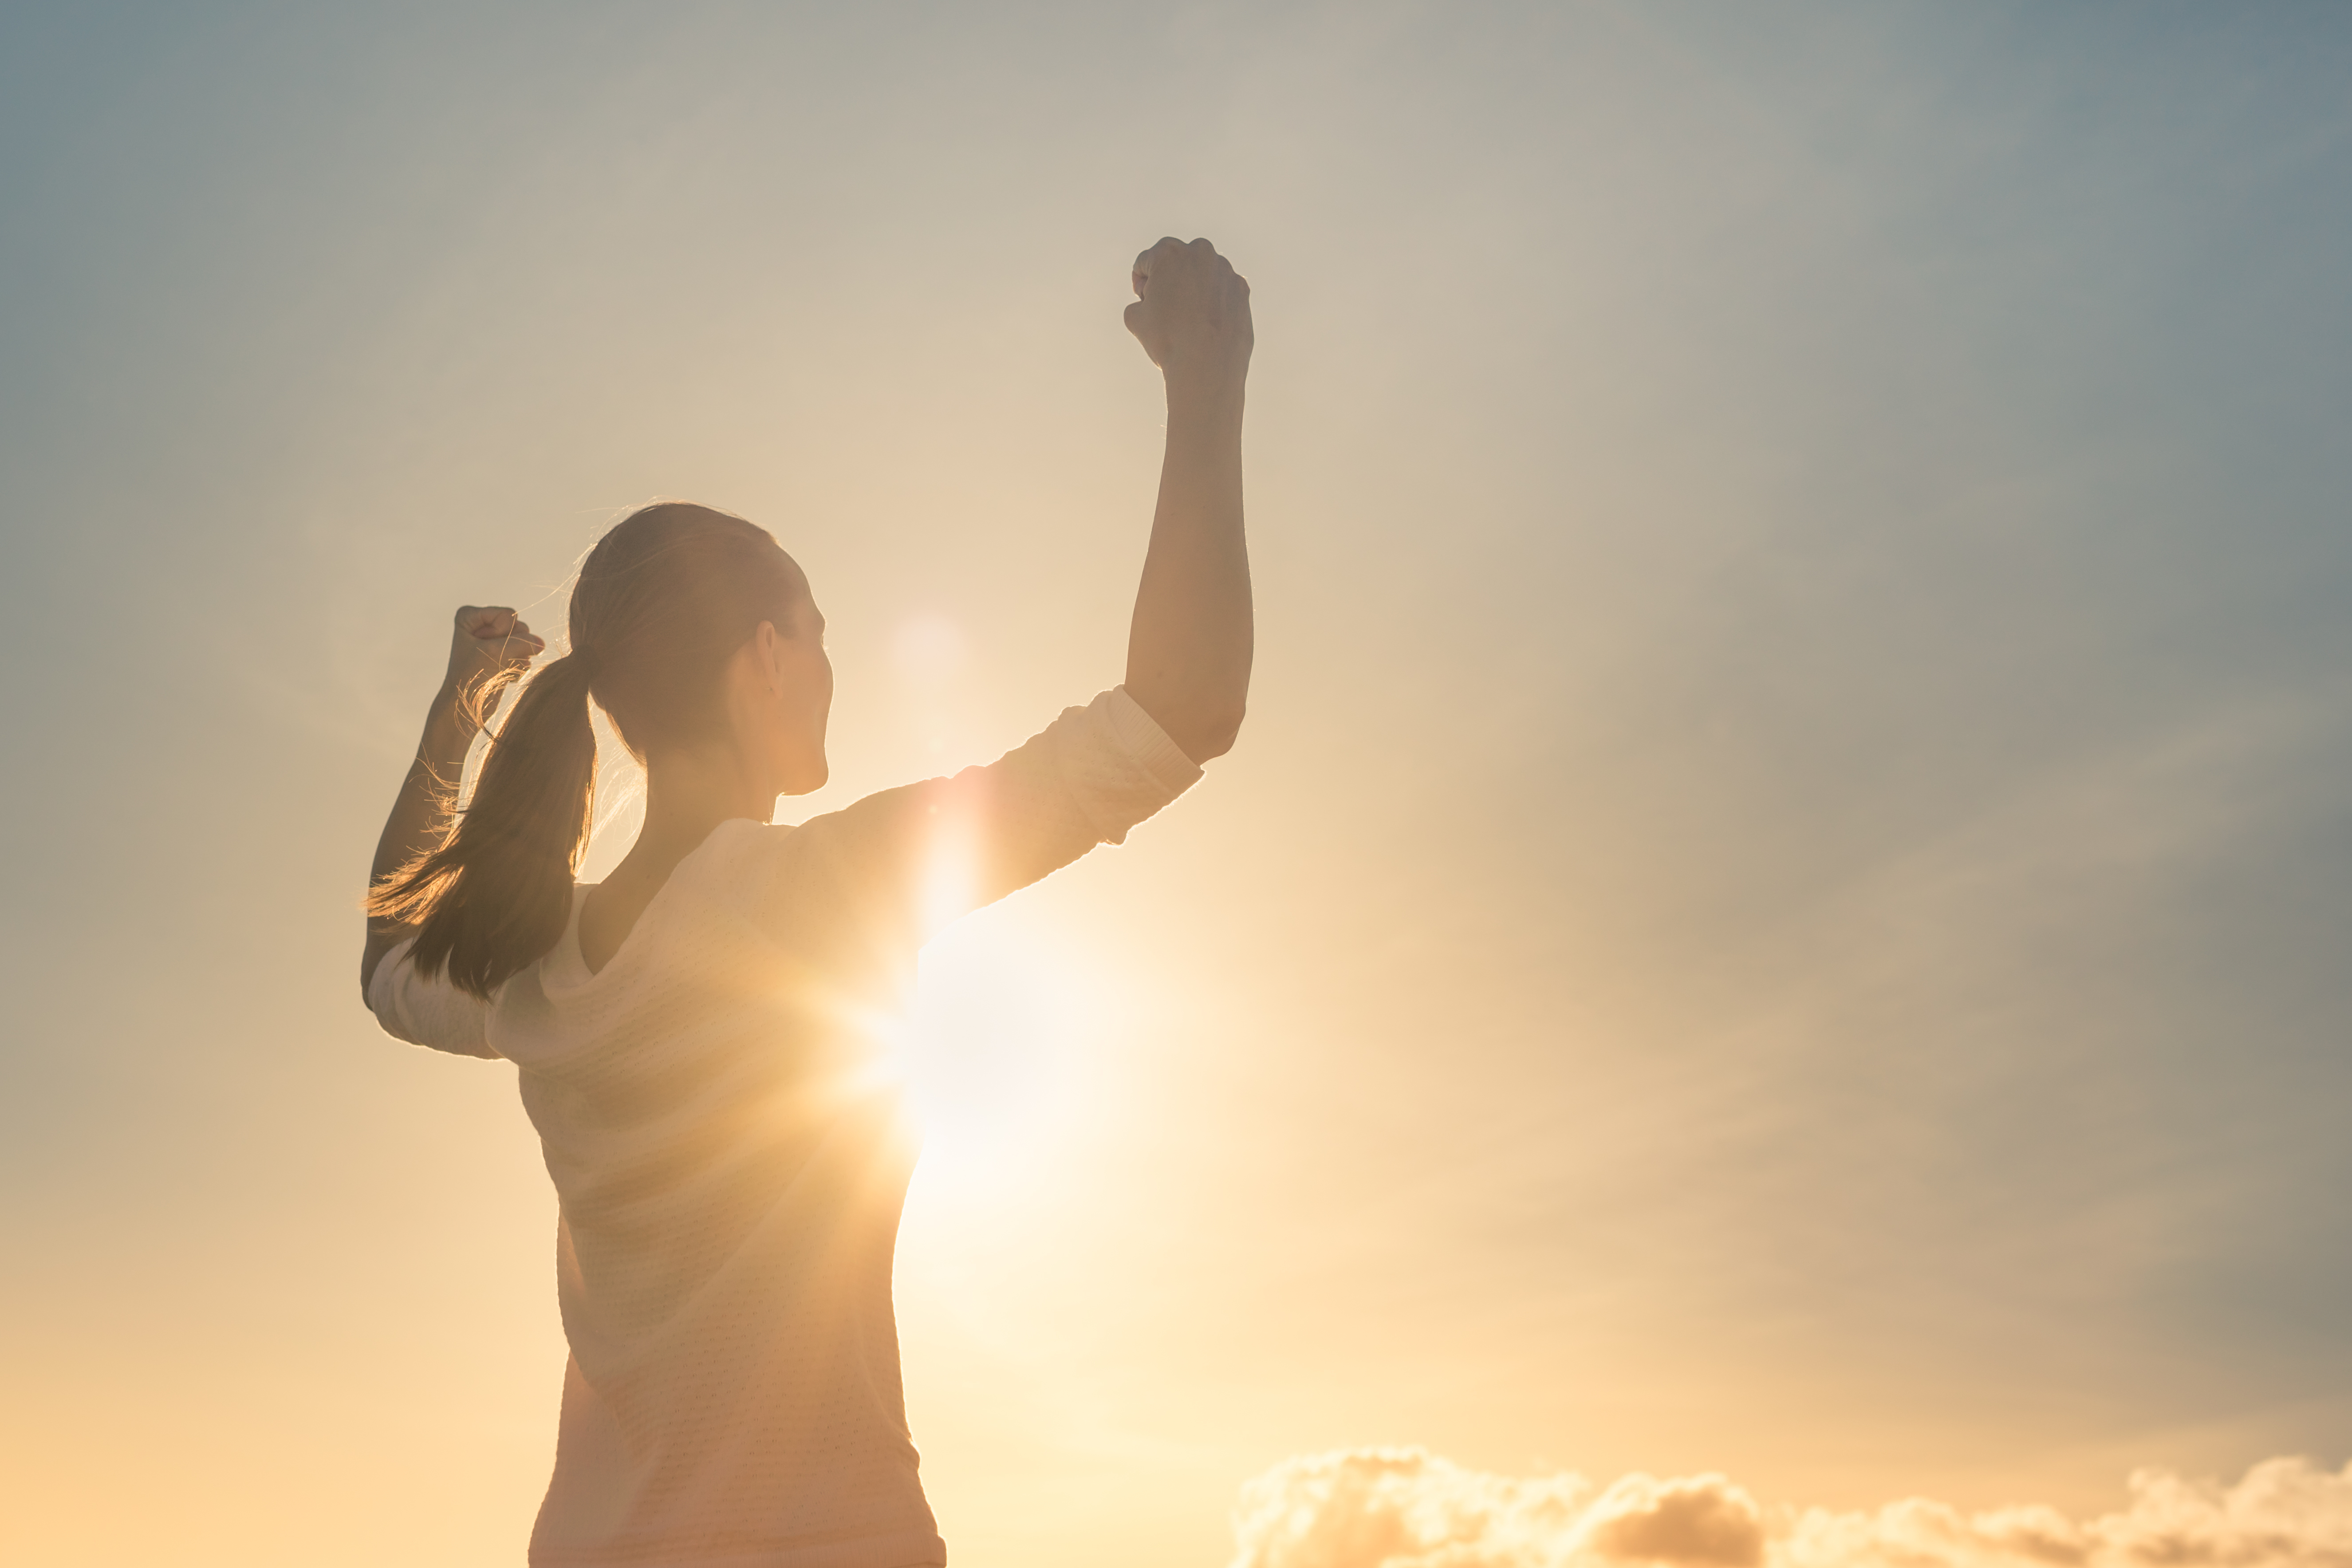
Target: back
(728, 1151)
(731, 1164)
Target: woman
(692, 1033)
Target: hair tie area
(584, 659)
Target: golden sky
(1777, 913)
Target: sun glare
(995, 1056)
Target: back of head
(661, 603)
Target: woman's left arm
(1190, 645)
(489, 645)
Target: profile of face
(779, 695)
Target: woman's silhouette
(693, 1033)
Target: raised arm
(489, 646)
(1189, 648)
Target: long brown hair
(662, 603)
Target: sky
(1775, 928)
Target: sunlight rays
(994, 1056)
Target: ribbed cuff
(1143, 739)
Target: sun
(996, 1056)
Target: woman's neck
(686, 796)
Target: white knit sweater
(729, 1163)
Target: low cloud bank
(1404, 1507)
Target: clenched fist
(1192, 312)
(489, 646)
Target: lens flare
(993, 1055)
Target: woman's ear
(767, 649)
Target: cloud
(1701, 1519)
(1405, 1508)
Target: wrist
(1203, 390)
(449, 724)
(451, 700)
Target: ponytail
(497, 894)
(662, 603)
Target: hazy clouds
(1404, 1507)
(1780, 909)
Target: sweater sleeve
(905, 862)
(427, 1011)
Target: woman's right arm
(489, 646)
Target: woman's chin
(808, 781)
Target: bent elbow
(1215, 736)
(371, 958)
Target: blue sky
(1781, 906)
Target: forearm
(1189, 645)
(419, 813)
